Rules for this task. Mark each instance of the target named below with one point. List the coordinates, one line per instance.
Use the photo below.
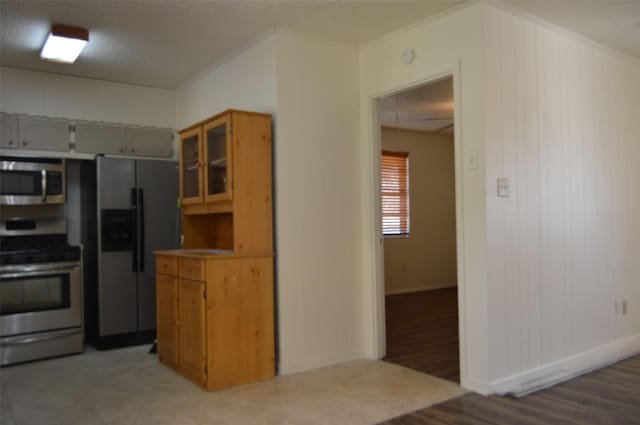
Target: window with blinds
(394, 172)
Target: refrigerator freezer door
(159, 228)
(117, 282)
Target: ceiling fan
(446, 127)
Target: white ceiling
(164, 43)
(426, 108)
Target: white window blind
(394, 171)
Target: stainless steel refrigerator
(136, 213)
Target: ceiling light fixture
(64, 44)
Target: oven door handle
(44, 186)
(30, 273)
(20, 340)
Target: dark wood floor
(422, 332)
(609, 396)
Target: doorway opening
(418, 214)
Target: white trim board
(318, 362)
(562, 370)
(422, 288)
(375, 311)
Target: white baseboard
(475, 386)
(561, 370)
(287, 368)
(422, 288)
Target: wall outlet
(621, 307)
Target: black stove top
(37, 249)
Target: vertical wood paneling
(620, 223)
(577, 275)
(532, 166)
(563, 229)
(562, 123)
(520, 184)
(494, 170)
(508, 77)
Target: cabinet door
(44, 134)
(167, 319)
(150, 142)
(9, 125)
(192, 330)
(99, 138)
(217, 159)
(240, 325)
(191, 167)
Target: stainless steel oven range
(40, 291)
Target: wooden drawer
(191, 268)
(167, 265)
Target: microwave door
(22, 187)
(32, 182)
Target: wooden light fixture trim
(70, 32)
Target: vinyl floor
(609, 396)
(422, 332)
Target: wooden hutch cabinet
(215, 314)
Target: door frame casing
(375, 287)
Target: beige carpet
(129, 386)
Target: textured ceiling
(163, 43)
(426, 108)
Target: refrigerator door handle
(134, 230)
(142, 236)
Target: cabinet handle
(11, 142)
(122, 150)
(25, 143)
(132, 150)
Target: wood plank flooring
(609, 396)
(422, 332)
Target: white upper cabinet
(100, 138)
(44, 134)
(9, 126)
(150, 142)
(130, 141)
(47, 134)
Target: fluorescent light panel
(64, 44)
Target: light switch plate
(503, 188)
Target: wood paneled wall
(563, 125)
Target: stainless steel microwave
(32, 181)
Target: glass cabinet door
(217, 141)
(190, 167)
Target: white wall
(53, 95)
(426, 259)
(563, 119)
(450, 44)
(311, 87)
(316, 164)
(244, 81)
